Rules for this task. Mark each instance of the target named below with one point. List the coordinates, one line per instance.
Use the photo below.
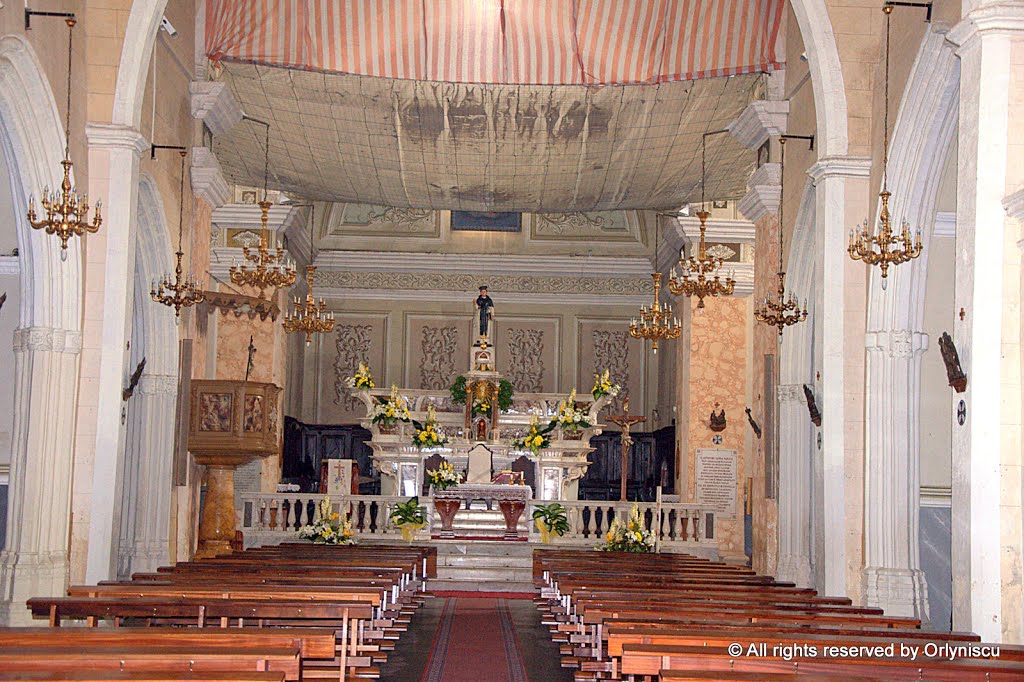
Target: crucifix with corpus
(625, 420)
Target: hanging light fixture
(700, 276)
(309, 317)
(66, 212)
(183, 291)
(657, 321)
(272, 270)
(884, 248)
(777, 310)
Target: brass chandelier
(884, 248)
(272, 270)
(656, 321)
(309, 317)
(183, 291)
(777, 310)
(700, 276)
(67, 214)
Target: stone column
(114, 153)
(987, 445)
(831, 176)
(147, 485)
(893, 578)
(794, 484)
(34, 561)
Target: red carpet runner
(475, 642)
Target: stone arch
(149, 440)
(826, 75)
(136, 51)
(922, 137)
(47, 345)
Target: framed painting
(487, 221)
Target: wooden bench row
(295, 611)
(630, 616)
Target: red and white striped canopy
(550, 42)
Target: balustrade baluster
(587, 515)
(696, 525)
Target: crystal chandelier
(309, 317)
(656, 321)
(700, 276)
(272, 270)
(884, 248)
(778, 311)
(182, 291)
(67, 214)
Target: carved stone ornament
(443, 281)
(716, 422)
(245, 238)
(559, 222)
(47, 339)
(525, 363)
(407, 217)
(240, 304)
(791, 393)
(437, 353)
(352, 342)
(612, 353)
(721, 251)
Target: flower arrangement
(428, 435)
(329, 528)
(536, 439)
(569, 417)
(444, 477)
(603, 386)
(362, 379)
(408, 516)
(482, 405)
(629, 536)
(393, 410)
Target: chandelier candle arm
(183, 291)
(67, 214)
(309, 317)
(884, 248)
(780, 311)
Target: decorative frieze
(47, 339)
(897, 343)
(791, 393)
(446, 281)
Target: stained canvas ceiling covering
(502, 41)
(442, 145)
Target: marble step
(491, 548)
(485, 573)
(487, 561)
(474, 585)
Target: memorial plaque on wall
(717, 478)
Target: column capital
(763, 193)
(214, 105)
(115, 136)
(994, 18)
(208, 182)
(791, 393)
(896, 343)
(840, 167)
(760, 120)
(47, 339)
(1014, 205)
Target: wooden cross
(625, 420)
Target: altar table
(511, 500)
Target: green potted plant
(550, 519)
(408, 516)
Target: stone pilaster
(35, 559)
(987, 445)
(794, 485)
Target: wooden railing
(275, 517)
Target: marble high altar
(482, 445)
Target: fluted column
(794, 486)
(149, 456)
(34, 562)
(893, 578)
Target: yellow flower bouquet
(444, 477)
(603, 386)
(630, 536)
(362, 379)
(536, 439)
(391, 411)
(429, 434)
(330, 527)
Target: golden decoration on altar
(182, 291)
(885, 247)
(67, 213)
